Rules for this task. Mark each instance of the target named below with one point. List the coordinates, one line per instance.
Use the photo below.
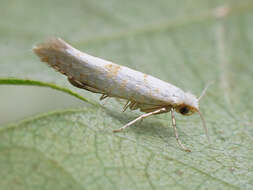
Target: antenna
(204, 91)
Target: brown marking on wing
(145, 76)
(112, 70)
(43, 51)
(157, 90)
(55, 44)
(123, 84)
(49, 52)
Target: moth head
(189, 105)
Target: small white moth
(142, 91)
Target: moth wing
(132, 105)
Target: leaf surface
(187, 43)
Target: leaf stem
(28, 82)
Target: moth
(141, 91)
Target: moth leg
(133, 105)
(175, 131)
(140, 118)
(126, 105)
(103, 96)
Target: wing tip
(44, 50)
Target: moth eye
(184, 110)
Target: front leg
(140, 118)
(175, 131)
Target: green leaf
(187, 43)
(28, 82)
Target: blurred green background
(187, 43)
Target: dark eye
(184, 110)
